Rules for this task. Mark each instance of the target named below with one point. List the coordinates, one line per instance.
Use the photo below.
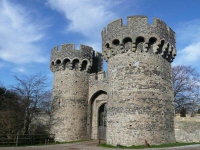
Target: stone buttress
(71, 70)
(140, 93)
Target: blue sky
(29, 29)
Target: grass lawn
(151, 146)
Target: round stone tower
(140, 96)
(70, 91)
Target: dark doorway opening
(102, 121)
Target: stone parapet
(68, 56)
(69, 51)
(139, 35)
(98, 76)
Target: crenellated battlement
(138, 23)
(69, 57)
(138, 35)
(69, 51)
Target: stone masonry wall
(140, 104)
(97, 82)
(187, 129)
(70, 105)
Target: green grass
(151, 146)
(110, 146)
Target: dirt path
(87, 145)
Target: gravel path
(88, 145)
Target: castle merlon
(157, 22)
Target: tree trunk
(26, 128)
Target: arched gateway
(97, 111)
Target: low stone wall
(187, 129)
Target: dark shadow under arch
(101, 121)
(126, 40)
(84, 65)
(75, 64)
(95, 95)
(66, 63)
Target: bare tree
(186, 82)
(47, 102)
(10, 112)
(45, 114)
(41, 120)
(31, 91)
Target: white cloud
(19, 70)
(87, 17)
(188, 40)
(189, 55)
(188, 32)
(19, 34)
(191, 52)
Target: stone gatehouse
(130, 103)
